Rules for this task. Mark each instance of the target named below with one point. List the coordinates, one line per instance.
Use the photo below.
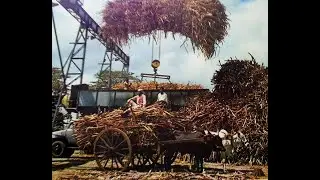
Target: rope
(152, 50)
(159, 44)
(159, 39)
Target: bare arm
(144, 103)
(133, 98)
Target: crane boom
(75, 9)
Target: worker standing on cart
(141, 100)
(127, 84)
(162, 96)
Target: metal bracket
(155, 76)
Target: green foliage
(103, 78)
(56, 79)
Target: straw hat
(140, 90)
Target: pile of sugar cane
(155, 85)
(204, 22)
(152, 118)
(239, 102)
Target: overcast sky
(248, 33)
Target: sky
(248, 32)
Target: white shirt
(163, 97)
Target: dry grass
(89, 170)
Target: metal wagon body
(88, 101)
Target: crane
(77, 55)
(76, 58)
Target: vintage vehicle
(63, 142)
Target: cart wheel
(112, 149)
(138, 160)
(146, 147)
(148, 156)
(154, 155)
(171, 157)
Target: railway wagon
(91, 101)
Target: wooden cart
(118, 149)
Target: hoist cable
(159, 44)
(152, 50)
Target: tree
(116, 77)
(56, 79)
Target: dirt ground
(84, 167)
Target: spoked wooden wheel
(146, 157)
(138, 160)
(146, 147)
(153, 155)
(112, 149)
(170, 157)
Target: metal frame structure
(107, 67)
(76, 58)
(78, 53)
(60, 59)
(155, 76)
(155, 70)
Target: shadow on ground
(175, 168)
(59, 164)
(75, 162)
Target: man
(127, 84)
(162, 96)
(141, 100)
(65, 99)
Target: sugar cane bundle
(155, 85)
(210, 114)
(239, 102)
(239, 78)
(204, 22)
(153, 117)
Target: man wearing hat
(141, 100)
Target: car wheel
(58, 149)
